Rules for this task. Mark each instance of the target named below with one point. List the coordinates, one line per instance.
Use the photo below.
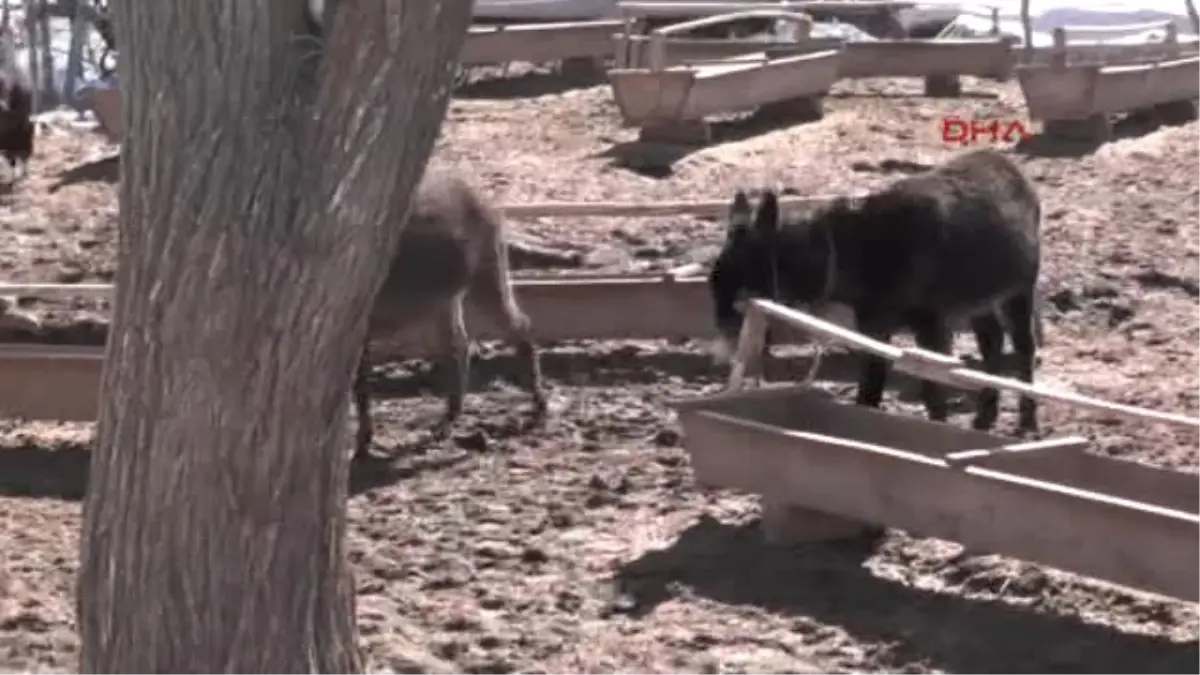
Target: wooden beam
(947, 369)
(57, 291)
(1115, 520)
(991, 457)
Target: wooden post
(1195, 18)
(1171, 40)
(80, 31)
(1058, 58)
(658, 51)
(31, 42)
(49, 87)
(1027, 28)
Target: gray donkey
(959, 243)
(454, 249)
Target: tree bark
(265, 181)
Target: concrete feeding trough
(575, 43)
(829, 470)
(633, 49)
(940, 61)
(673, 103)
(1075, 93)
(61, 382)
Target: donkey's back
(962, 236)
(452, 239)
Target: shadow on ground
(61, 472)
(106, 169)
(827, 584)
(877, 94)
(654, 159)
(1134, 125)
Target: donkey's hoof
(362, 449)
(984, 421)
(444, 427)
(534, 422)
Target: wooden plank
(539, 42)
(57, 291)
(939, 367)
(1139, 540)
(994, 458)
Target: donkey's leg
(1020, 311)
(872, 379)
(456, 344)
(931, 332)
(493, 296)
(989, 335)
(361, 393)
(874, 370)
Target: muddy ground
(586, 547)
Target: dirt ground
(586, 547)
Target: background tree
(264, 184)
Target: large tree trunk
(263, 191)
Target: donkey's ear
(766, 220)
(739, 213)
